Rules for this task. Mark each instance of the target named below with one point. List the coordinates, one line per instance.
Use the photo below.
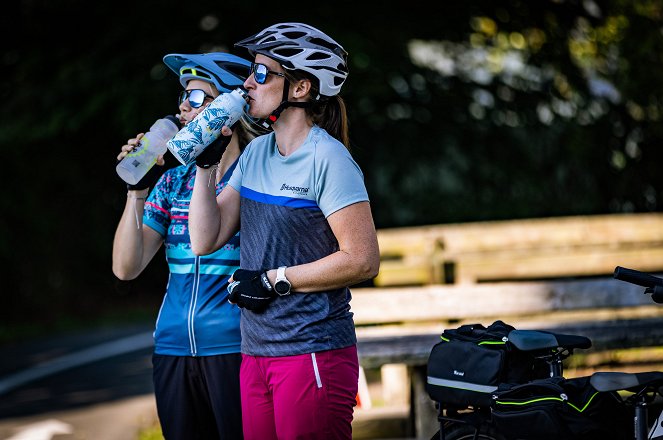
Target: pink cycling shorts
(307, 396)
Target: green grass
(151, 433)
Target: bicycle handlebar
(636, 277)
(652, 284)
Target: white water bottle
(225, 110)
(138, 162)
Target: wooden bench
(398, 326)
(520, 249)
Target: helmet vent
(269, 39)
(287, 52)
(318, 56)
(294, 35)
(324, 43)
(236, 69)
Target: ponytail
(327, 112)
(331, 115)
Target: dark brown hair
(327, 112)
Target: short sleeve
(157, 206)
(236, 178)
(339, 180)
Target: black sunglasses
(260, 72)
(196, 97)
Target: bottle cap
(243, 93)
(174, 120)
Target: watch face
(282, 287)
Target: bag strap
(550, 385)
(478, 333)
(467, 332)
(469, 329)
(500, 327)
(547, 389)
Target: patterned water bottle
(138, 162)
(225, 110)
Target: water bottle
(153, 144)
(225, 110)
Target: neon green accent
(586, 404)
(142, 149)
(480, 343)
(194, 72)
(543, 399)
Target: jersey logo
(299, 190)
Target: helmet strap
(269, 121)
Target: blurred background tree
(459, 111)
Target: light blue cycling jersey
(195, 318)
(285, 202)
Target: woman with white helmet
(307, 234)
(197, 338)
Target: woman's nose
(185, 106)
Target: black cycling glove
(251, 290)
(211, 155)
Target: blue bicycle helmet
(224, 70)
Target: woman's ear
(301, 88)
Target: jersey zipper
(192, 308)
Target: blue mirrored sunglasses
(196, 97)
(260, 72)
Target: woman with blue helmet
(197, 338)
(308, 231)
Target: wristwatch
(282, 285)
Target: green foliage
(151, 433)
(459, 111)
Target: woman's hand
(149, 179)
(212, 153)
(131, 145)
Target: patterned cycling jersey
(195, 318)
(285, 202)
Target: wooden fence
(520, 249)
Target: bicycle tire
(466, 432)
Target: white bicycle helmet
(298, 46)
(224, 70)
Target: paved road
(98, 386)
(95, 385)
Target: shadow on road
(87, 383)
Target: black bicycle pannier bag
(558, 408)
(465, 368)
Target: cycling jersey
(195, 318)
(285, 202)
